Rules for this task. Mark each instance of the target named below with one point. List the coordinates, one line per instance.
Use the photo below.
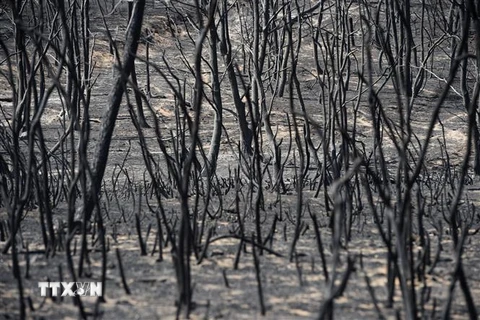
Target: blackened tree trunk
(226, 50)
(114, 101)
(138, 98)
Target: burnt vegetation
(240, 158)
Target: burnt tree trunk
(226, 51)
(114, 101)
(138, 98)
